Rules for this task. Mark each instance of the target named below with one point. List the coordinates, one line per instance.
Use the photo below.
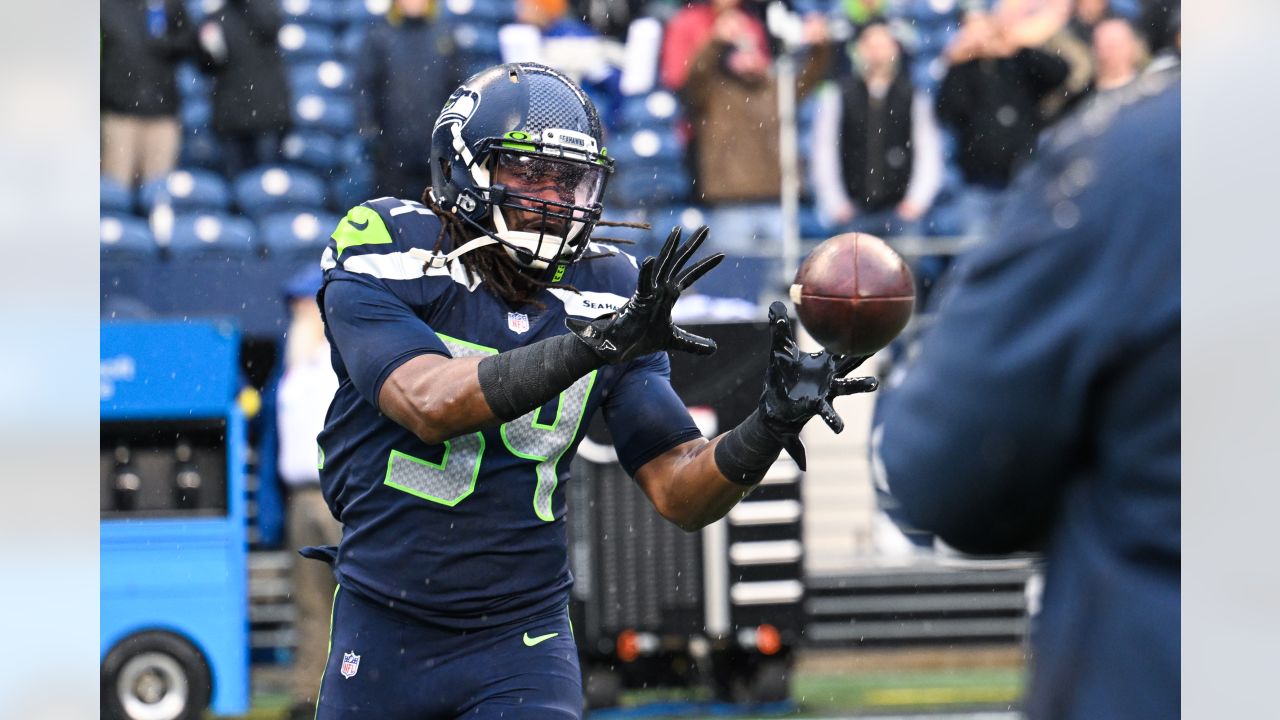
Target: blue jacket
(1042, 411)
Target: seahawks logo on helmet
(461, 106)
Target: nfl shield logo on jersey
(350, 664)
(518, 322)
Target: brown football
(854, 294)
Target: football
(854, 294)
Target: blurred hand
(963, 48)
(911, 211)
(844, 214)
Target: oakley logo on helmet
(459, 109)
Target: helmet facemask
(542, 208)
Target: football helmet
(517, 154)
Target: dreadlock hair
(495, 266)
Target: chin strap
(438, 261)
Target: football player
(474, 335)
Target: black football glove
(799, 385)
(643, 325)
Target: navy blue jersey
(468, 533)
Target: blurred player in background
(1042, 410)
(475, 336)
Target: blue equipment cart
(174, 601)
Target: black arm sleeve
(517, 381)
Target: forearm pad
(746, 452)
(520, 380)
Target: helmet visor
(562, 187)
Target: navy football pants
(382, 665)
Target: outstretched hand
(643, 325)
(799, 385)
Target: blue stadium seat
(491, 11)
(211, 234)
(352, 150)
(322, 12)
(641, 241)
(352, 186)
(126, 237)
(811, 225)
(646, 147)
(114, 197)
(665, 217)
(307, 41)
(351, 40)
(926, 11)
(362, 11)
(275, 188)
(297, 236)
(328, 113)
(321, 78)
(658, 109)
(740, 277)
(192, 83)
(477, 38)
(927, 75)
(196, 112)
(186, 189)
(200, 149)
(931, 43)
(312, 149)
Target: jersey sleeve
(644, 415)
(374, 331)
(376, 291)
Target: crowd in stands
(245, 128)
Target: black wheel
(155, 676)
(601, 687)
(771, 682)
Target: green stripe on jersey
(361, 226)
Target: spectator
(692, 28)
(1086, 15)
(577, 50)
(1047, 25)
(250, 97)
(731, 101)
(1042, 409)
(882, 160)
(141, 45)
(406, 70)
(307, 386)
(1118, 54)
(612, 18)
(990, 97)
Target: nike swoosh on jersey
(531, 641)
(358, 226)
